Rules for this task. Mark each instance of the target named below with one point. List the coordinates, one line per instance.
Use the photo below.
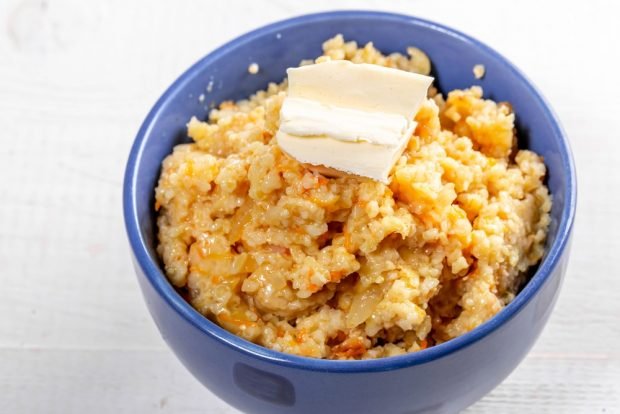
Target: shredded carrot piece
(423, 344)
(341, 336)
(347, 241)
(336, 275)
(225, 317)
(350, 348)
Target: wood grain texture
(76, 80)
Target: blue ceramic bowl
(444, 378)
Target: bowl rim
(158, 280)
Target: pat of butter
(355, 118)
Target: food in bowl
(347, 267)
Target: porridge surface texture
(347, 267)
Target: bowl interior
(223, 75)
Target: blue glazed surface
(444, 378)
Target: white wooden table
(76, 80)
